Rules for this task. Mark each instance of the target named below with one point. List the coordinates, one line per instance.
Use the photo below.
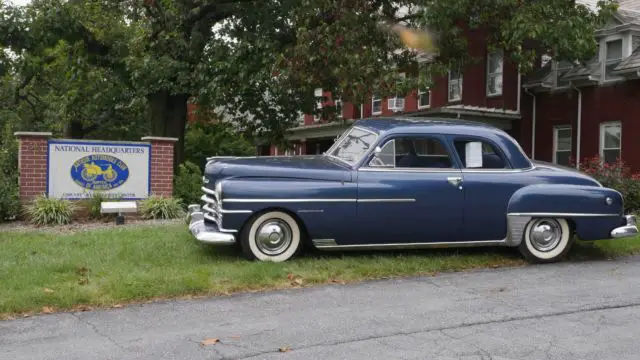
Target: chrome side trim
(236, 211)
(515, 229)
(316, 200)
(329, 244)
(232, 200)
(385, 200)
(310, 211)
(533, 214)
(210, 192)
(445, 170)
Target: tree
(259, 61)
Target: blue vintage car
(405, 183)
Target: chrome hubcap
(273, 237)
(545, 234)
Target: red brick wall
(32, 162)
(162, 150)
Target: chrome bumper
(208, 233)
(630, 229)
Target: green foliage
(9, 192)
(94, 204)
(158, 207)
(187, 183)
(203, 140)
(50, 211)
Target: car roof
(421, 124)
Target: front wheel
(272, 236)
(546, 240)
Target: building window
(318, 94)
(613, 56)
(424, 92)
(562, 145)
(455, 85)
(338, 104)
(494, 73)
(610, 141)
(396, 103)
(376, 105)
(300, 118)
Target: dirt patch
(16, 226)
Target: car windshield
(353, 145)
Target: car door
(488, 187)
(410, 193)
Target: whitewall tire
(546, 240)
(271, 236)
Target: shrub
(187, 183)
(50, 211)
(617, 176)
(158, 207)
(9, 194)
(94, 204)
(203, 140)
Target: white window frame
(375, 99)
(396, 103)
(338, 104)
(499, 73)
(455, 82)
(603, 55)
(317, 93)
(420, 93)
(555, 141)
(301, 118)
(601, 148)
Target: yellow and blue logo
(99, 172)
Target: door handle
(455, 181)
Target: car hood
(314, 167)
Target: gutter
(533, 124)
(578, 125)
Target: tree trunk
(169, 118)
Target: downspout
(519, 91)
(533, 124)
(578, 125)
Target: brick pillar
(32, 164)
(161, 165)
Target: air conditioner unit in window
(396, 104)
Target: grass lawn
(48, 271)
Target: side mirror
(377, 150)
(375, 160)
(473, 154)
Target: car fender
(592, 210)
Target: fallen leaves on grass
(210, 341)
(48, 291)
(285, 349)
(295, 280)
(47, 310)
(117, 306)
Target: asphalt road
(563, 311)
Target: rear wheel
(546, 240)
(272, 236)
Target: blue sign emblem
(99, 172)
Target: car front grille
(211, 206)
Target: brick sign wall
(73, 169)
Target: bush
(187, 183)
(94, 204)
(9, 193)
(203, 140)
(617, 176)
(50, 211)
(158, 207)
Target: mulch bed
(82, 225)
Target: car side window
(491, 158)
(413, 152)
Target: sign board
(76, 169)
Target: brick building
(557, 112)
